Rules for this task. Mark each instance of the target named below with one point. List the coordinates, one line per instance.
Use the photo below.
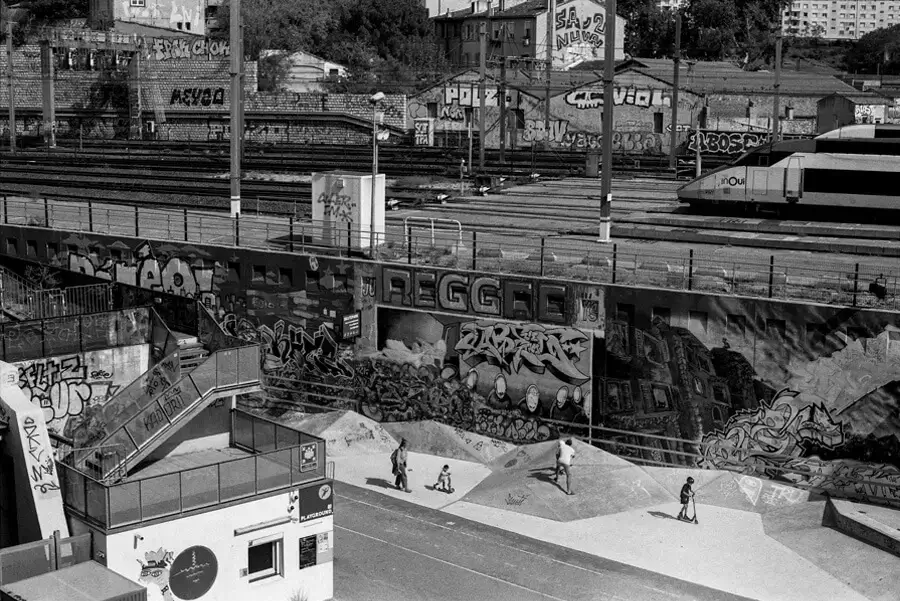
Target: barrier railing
(28, 301)
(859, 281)
(43, 556)
(39, 338)
(648, 449)
(283, 466)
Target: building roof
(861, 98)
(86, 581)
(529, 8)
(724, 78)
(150, 30)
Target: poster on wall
(193, 573)
(309, 457)
(308, 551)
(315, 502)
(325, 547)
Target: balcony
(267, 458)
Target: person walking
(564, 460)
(399, 458)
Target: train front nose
(690, 191)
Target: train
(855, 166)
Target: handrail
(164, 392)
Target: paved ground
(391, 549)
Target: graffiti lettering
(536, 131)
(532, 346)
(197, 96)
(646, 98)
(482, 295)
(39, 460)
(291, 351)
(452, 112)
(58, 386)
(424, 132)
(511, 427)
(175, 275)
(173, 48)
(572, 29)
(338, 206)
(723, 142)
(468, 94)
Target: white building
(671, 4)
(839, 19)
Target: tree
(650, 30)
(34, 14)
(281, 25)
(877, 50)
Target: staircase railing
(225, 368)
(17, 295)
(130, 401)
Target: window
(285, 276)
(12, 246)
(312, 280)
(52, 249)
(775, 328)
(180, 25)
(736, 327)
(234, 270)
(432, 110)
(664, 314)
(657, 123)
(31, 248)
(187, 25)
(625, 312)
(520, 118)
(259, 273)
(697, 322)
(264, 559)
(137, 3)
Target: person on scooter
(686, 494)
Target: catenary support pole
(608, 83)
(501, 98)
(482, 67)
(235, 106)
(10, 80)
(673, 139)
(776, 108)
(548, 68)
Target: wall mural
(562, 135)
(501, 356)
(155, 574)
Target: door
(792, 179)
(760, 182)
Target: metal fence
(860, 281)
(27, 301)
(39, 338)
(43, 556)
(280, 466)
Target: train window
(846, 181)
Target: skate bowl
(434, 438)
(603, 484)
(346, 432)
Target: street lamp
(374, 100)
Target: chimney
(490, 8)
(501, 6)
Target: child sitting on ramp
(443, 481)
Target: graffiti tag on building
(468, 94)
(518, 299)
(646, 98)
(574, 29)
(338, 206)
(723, 142)
(197, 96)
(291, 351)
(40, 464)
(172, 48)
(58, 386)
(512, 347)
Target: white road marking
(565, 563)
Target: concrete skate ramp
(434, 438)
(346, 432)
(749, 493)
(602, 483)
(543, 455)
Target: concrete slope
(543, 455)
(346, 433)
(434, 438)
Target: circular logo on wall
(324, 492)
(193, 573)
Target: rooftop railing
(281, 458)
(846, 281)
(43, 556)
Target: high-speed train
(853, 166)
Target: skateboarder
(686, 494)
(398, 459)
(443, 481)
(564, 456)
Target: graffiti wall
(765, 386)
(179, 15)
(724, 142)
(68, 387)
